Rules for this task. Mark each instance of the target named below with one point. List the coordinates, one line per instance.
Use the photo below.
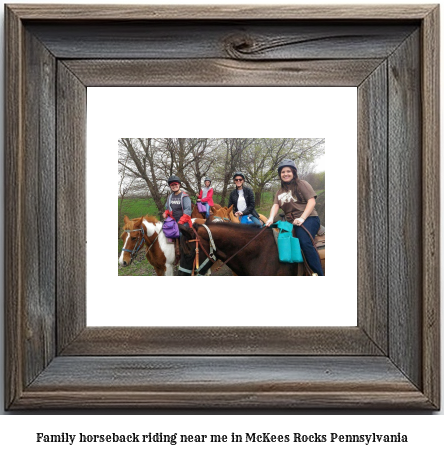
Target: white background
(232, 112)
(17, 433)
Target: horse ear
(230, 209)
(125, 219)
(212, 209)
(139, 221)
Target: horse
(235, 219)
(159, 251)
(226, 215)
(259, 258)
(199, 215)
(196, 214)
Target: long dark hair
(293, 185)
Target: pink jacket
(208, 199)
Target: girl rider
(206, 196)
(178, 206)
(243, 200)
(297, 199)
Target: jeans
(311, 255)
(254, 219)
(207, 207)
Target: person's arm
(200, 195)
(249, 199)
(208, 197)
(311, 203)
(231, 202)
(273, 212)
(167, 211)
(186, 217)
(186, 201)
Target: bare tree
(125, 185)
(143, 164)
(263, 156)
(150, 161)
(230, 161)
(188, 158)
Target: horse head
(188, 253)
(231, 216)
(219, 215)
(133, 239)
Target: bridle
(210, 256)
(140, 242)
(218, 219)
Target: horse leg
(169, 270)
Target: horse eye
(134, 239)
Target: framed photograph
(389, 359)
(235, 111)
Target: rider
(297, 199)
(178, 206)
(206, 196)
(243, 200)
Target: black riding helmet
(207, 179)
(172, 179)
(239, 174)
(286, 162)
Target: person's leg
(207, 207)
(256, 221)
(311, 255)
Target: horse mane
(241, 227)
(151, 219)
(131, 222)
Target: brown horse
(225, 214)
(259, 258)
(147, 231)
(202, 215)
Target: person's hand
(269, 222)
(238, 213)
(198, 200)
(299, 221)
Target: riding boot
(177, 250)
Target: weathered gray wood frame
(390, 360)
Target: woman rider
(178, 206)
(242, 199)
(297, 199)
(206, 196)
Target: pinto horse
(147, 230)
(259, 258)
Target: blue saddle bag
(288, 246)
(246, 220)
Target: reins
(210, 256)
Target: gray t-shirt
(175, 202)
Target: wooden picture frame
(390, 360)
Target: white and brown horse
(147, 231)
